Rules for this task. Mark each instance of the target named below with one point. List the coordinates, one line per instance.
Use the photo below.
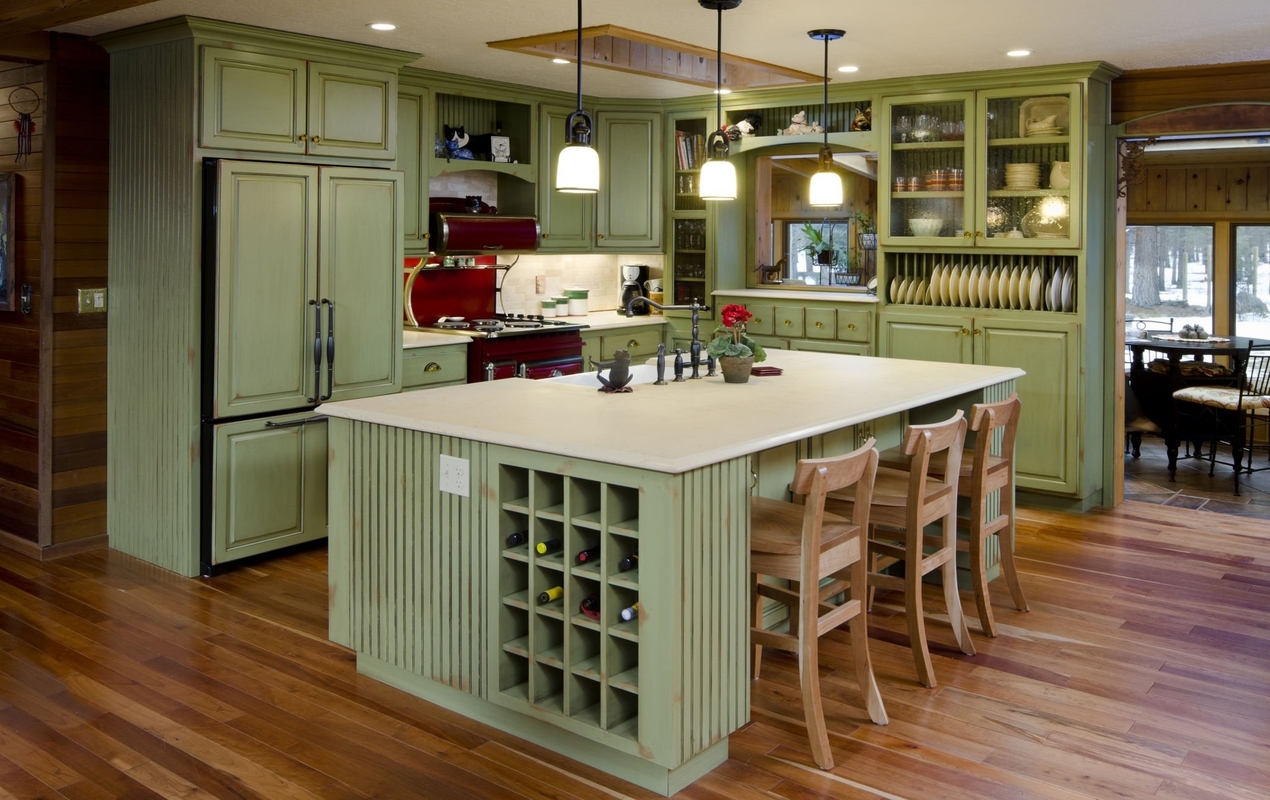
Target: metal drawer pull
(633, 343)
(304, 137)
(432, 366)
(788, 323)
(758, 321)
(317, 139)
(819, 324)
(295, 423)
(977, 331)
(965, 332)
(850, 326)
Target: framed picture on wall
(8, 239)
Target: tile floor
(1147, 480)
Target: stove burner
(453, 325)
(523, 323)
(486, 322)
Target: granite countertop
(818, 392)
(799, 295)
(413, 339)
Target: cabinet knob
(850, 326)
(432, 366)
(965, 332)
(977, 331)
(427, 236)
(788, 323)
(633, 343)
(967, 234)
(599, 236)
(546, 236)
(317, 139)
(304, 137)
(978, 234)
(820, 324)
(758, 320)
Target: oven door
(550, 368)
(498, 370)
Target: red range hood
(467, 226)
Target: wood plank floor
(1143, 670)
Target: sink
(640, 373)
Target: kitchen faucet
(695, 348)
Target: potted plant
(867, 230)
(735, 351)
(822, 250)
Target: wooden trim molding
(33, 550)
(30, 16)
(1216, 118)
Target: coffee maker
(633, 277)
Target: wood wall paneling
(1138, 93)
(1228, 190)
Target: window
(1252, 281)
(1170, 274)
(803, 266)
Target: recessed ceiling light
(849, 68)
(723, 91)
(382, 26)
(1020, 53)
(560, 61)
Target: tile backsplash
(599, 273)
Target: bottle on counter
(629, 563)
(591, 607)
(551, 595)
(548, 546)
(630, 613)
(589, 554)
(517, 539)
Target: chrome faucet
(696, 308)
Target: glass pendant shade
(826, 189)
(578, 170)
(718, 180)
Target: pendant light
(826, 185)
(718, 176)
(578, 165)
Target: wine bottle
(629, 614)
(591, 606)
(589, 554)
(551, 594)
(517, 539)
(549, 546)
(629, 563)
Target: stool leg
(859, 628)
(979, 572)
(756, 623)
(809, 678)
(795, 624)
(1005, 537)
(951, 597)
(917, 625)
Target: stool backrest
(985, 420)
(923, 441)
(1257, 373)
(814, 478)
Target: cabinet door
(567, 220)
(414, 148)
(1048, 446)
(361, 276)
(252, 101)
(854, 325)
(788, 321)
(927, 338)
(822, 323)
(266, 276)
(641, 343)
(352, 112)
(268, 485)
(843, 348)
(629, 208)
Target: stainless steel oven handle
(489, 371)
(522, 370)
(330, 348)
(317, 350)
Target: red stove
(460, 301)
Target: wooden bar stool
(978, 479)
(904, 503)
(801, 543)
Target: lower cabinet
(431, 367)
(641, 342)
(845, 328)
(1047, 451)
(268, 486)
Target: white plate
(951, 281)
(1035, 293)
(1018, 290)
(1069, 280)
(985, 294)
(1048, 292)
(922, 297)
(893, 289)
(1056, 291)
(972, 285)
(1003, 288)
(1014, 288)
(935, 276)
(902, 291)
(910, 290)
(994, 288)
(963, 288)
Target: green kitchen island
(426, 489)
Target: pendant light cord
(579, 55)
(718, 72)
(824, 109)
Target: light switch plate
(456, 476)
(92, 301)
(540, 284)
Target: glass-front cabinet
(993, 168)
(689, 268)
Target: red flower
(734, 315)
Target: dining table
(1154, 388)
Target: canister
(549, 307)
(562, 305)
(577, 300)
(656, 297)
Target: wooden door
(1047, 450)
(252, 101)
(414, 149)
(567, 220)
(352, 112)
(268, 486)
(927, 338)
(629, 204)
(266, 276)
(360, 286)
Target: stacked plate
(1020, 287)
(1022, 176)
(1043, 130)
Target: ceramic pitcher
(1061, 175)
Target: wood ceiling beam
(21, 17)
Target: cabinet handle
(758, 321)
(427, 236)
(295, 423)
(788, 323)
(633, 343)
(850, 326)
(978, 234)
(820, 324)
(599, 236)
(317, 139)
(546, 236)
(967, 235)
(330, 349)
(977, 331)
(304, 137)
(317, 351)
(965, 332)
(432, 366)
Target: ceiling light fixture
(849, 68)
(1020, 53)
(559, 61)
(718, 176)
(826, 185)
(578, 167)
(382, 26)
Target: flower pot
(736, 369)
(824, 258)
(868, 241)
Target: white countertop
(601, 320)
(413, 339)
(697, 422)
(795, 295)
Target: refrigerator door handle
(317, 351)
(295, 423)
(330, 349)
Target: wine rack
(553, 656)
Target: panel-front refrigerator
(301, 305)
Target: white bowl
(926, 227)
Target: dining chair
(802, 543)
(1239, 415)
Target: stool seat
(894, 459)
(891, 489)
(777, 527)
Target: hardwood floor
(1143, 670)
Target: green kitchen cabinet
(433, 367)
(283, 104)
(567, 220)
(639, 340)
(825, 327)
(821, 346)
(927, 338)
(269, 485)
(629, 203)
(414, 148)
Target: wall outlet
(92, 301)
(456, 477)
(540, 284)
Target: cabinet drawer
(641, 344)
(834, 347)
(430, 366)
(822, 323)
(855, 326)
(763, 323)
(788, 321)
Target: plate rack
(998, 281)
(554, 657)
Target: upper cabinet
(414, 148)
(278, 104)
(567, 220)
(992, 168)
(629, 205)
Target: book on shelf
(690, 150)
